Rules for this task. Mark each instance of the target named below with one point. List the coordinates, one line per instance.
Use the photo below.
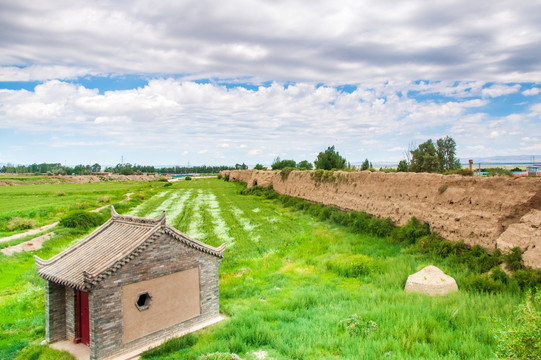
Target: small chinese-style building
(131, 282)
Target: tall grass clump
(82, 220)
(352, 265)
(513, 259)
(18, 223)
(519, 337)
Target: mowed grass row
(286, 288)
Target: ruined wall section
(474, 209)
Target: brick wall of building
(55, 315)
(71, 313)
(163, 257)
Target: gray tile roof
(108, 248)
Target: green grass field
(282, 284)
(47, 203)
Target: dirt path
(29, 245)
(35, 244)
(29, 232)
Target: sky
(213, 82)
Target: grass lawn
(282, 286)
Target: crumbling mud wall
(493, 212)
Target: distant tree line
(201, 169)
(124, 169)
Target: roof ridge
(198, 245)
(41, 262)
(91, 280)
(136, 219)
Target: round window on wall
(143, 301)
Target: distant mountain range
(511, 159)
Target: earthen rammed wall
(493, 212)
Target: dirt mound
(37, 180)
(474, 209)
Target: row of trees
(124, 169)
(431, 157)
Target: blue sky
(203, 82)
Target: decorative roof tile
(108, 248)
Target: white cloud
(531, 92)
(535, 147)
(499, 90)
(112, 119)
(43, 72)
(475, 147)
(168, 117)
(276, 40)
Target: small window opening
(143, 301)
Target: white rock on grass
(431, 281)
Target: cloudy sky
(214, 82)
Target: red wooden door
(83, 328)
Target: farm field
(281, 296)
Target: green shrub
(18, 223)
(498, 274)
(60, 193)
(513, 259)
(219, 176)
(463, 172)
(528, 278)
(519, 337)
(497, 172)
(380, 227)
(340, 217)
(163, 179)
(82, 220)
(167, 184)
(483, 283)
(226, 177)
(320, 175)
(409, 233)
(325, 213)
(188, 178)
(284, 173)
(352, 265)
(442, 188)
(171, 346)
